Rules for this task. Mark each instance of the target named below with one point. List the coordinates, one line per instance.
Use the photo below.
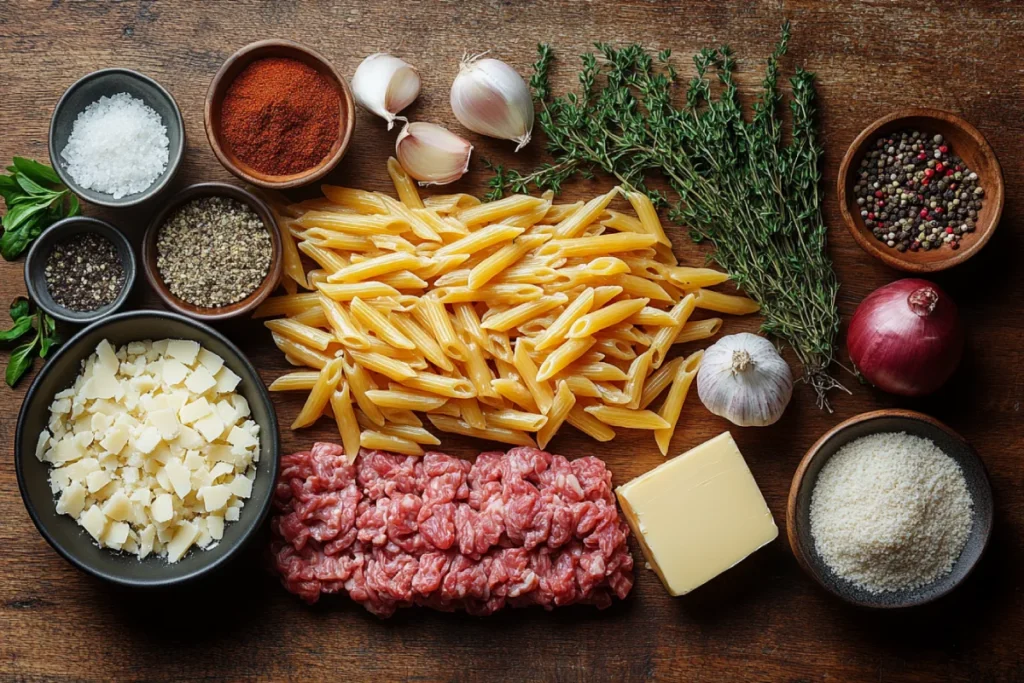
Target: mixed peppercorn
(84, 272)
(914, 193)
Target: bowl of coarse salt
(890, 509)
(116, 138)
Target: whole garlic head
(744, 379)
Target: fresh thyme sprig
(756, 200)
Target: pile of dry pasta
(497, 320)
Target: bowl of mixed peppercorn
(80, 269)
(214, 252)
(921, 190)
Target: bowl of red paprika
(279, 115)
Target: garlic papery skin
(385, 85)
(431, 154)
(491, 98)
(744, 379)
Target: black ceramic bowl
(63, 532)
(35, 267)
(952, 444)
(107, 82)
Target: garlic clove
(490, 98)
(431, 154)
(385, 85)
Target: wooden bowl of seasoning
(921, 190)
(214, 252)
(279, 115)
(890, 509)
(80, 269)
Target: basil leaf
(19, 308)
(34, 188)
(9, 188)
(22, 326)
(12, 243)
(46, 342)
(74, 206)
(20, 362)
(20, 213)
(41, 173)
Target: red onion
(906, 337)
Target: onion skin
(906, 337)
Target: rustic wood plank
(762, 621)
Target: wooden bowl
(965, 141)
(221, 312)
(223, 80)
(952, 444)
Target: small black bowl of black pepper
(921, 190)
(80, 270)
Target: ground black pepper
(213, 251)
(84, 272)
(914, 193)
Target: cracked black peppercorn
(84, 272)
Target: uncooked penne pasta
(579, 418)
(302, 380)
(479, 373)
(605, 317)
(658, 381)
(696, 330)
(291, 262)
(320, 394)
(414, 433)
(693, 278)
(313, 317)
(380, 441)
(559, 329)
(299, 352)
(515, 419)
(514, 390)
(289, 304)
(451, 387)
(725, 303)
(673, 404)
(349, 291)
(376, 322)
(601, 244)
(450, 203)
(598, 371)
(617, 416)
(345, 418)
(500, 434)
(345, 331)
(400, 416)
(360, 200)
(470, 410)
(419, 227)
(312, 337)
(665, 336)
(404, 185)
(539, 389)
(499, 261)
(567, 352)
(360, 382)
(389, 367)
(406, 399)
(622, 222)
(638, 371)
(377, 266)
(507, 319)
(330, 239)
(575, 223)
(423, 342)
(430, 312)
(494, 212)
(648, 216)
(560, 407)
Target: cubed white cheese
(183, 539)
(162, 508)
(180, 478)
(166, 421)
(115, 439)
(116, 535)
(241, 486)
(231, 515)
(147, 440)
(184, 350)
(211, 427)
(211, 361)
(220, 469)
(214, 497)
(72, 500)
(227, 380)
(196, 410)
(174, 372)
(107, 357)
(94, 521)
(118, 507)
(215, 526)
(200, 381)
(97, 480)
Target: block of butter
(698, 514)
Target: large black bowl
(61, 531)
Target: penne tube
(353, 224)
(648, 216)
(389, 367)
(450, 203)
(479, 372)
(569, 351)
(648, 268)
(302, 380)
(360, 200)
(414, 433)
(304, 334)
(507, 319)
(665, 336)
(673, 404)
(495, 212)
(491, 293)
(377, 266)
(622, 222)
(641, 287)
(320, 395)
(530, 218)
(598, 371)
(380, 441)
(422, 341)
(360, 382)
(617, 416)
(605, 317)
(513, 390)
(400, 416)
(601, 270)
(481, 239)
(404, 185)
(499, 261)
(291, 261)
(451, 387)
(559, 329)
(289, 304)
(654, 317)
(312, 317)
(500, 434)
(471, 412)
(466, 315)
(330, 239)
(560, 407)
(638, 371)
(345, 331)
(345, 418)
(605, 293)
(574, 224)
(390, 243)
(299, 352)
(588, 424)
(695, 330)
(376, 322)
(559, 212)
(597, 245)
(658, 381)
(725, 303)
(317, 204)
(440, 265)
(694, 278)
(349, 291)
(419, 227)
(405, 399)
(515, 419)
(539, 389)
(431, 313)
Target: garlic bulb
(744, 379)
(489, 97)
(385, 85)
(431, 154)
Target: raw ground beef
(519, 528)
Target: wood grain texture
(764, 620)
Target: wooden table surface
(763, 620)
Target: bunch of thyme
(756, 200)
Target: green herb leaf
(40, 173)
(9, 188)
(34, 188)
(74, 206)
(48, 336)
(21, 212)
(12, 243)
(20, 361)
(19, 308)
(21, 326)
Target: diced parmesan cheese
(200, 381)
(94, 521)
(143, 383)
(83, 439)
(241, 438)
(211, 361)
(61, 406)
(226, 412)
(116, 535)
(174, 372)
(183, 539)
(189, 438)
(136, 348)
(227, 380)
(41, 442)
(162, 508)
(115, 439)
(184, 350)
(72, 500)
(147, 440)
(146, 539)
(180, 478)
(220, 469)
(66, 450)
(166, 421)
(97, 480)
(100, 423)
(241, 486)
(103, 384)
(196, 410)
(211, 427)
(215, 526)
(118, 507)
(214, 497)
(107, 358)
(231, 514)
(194, 461)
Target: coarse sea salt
(118, 146)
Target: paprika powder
(280, 116)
